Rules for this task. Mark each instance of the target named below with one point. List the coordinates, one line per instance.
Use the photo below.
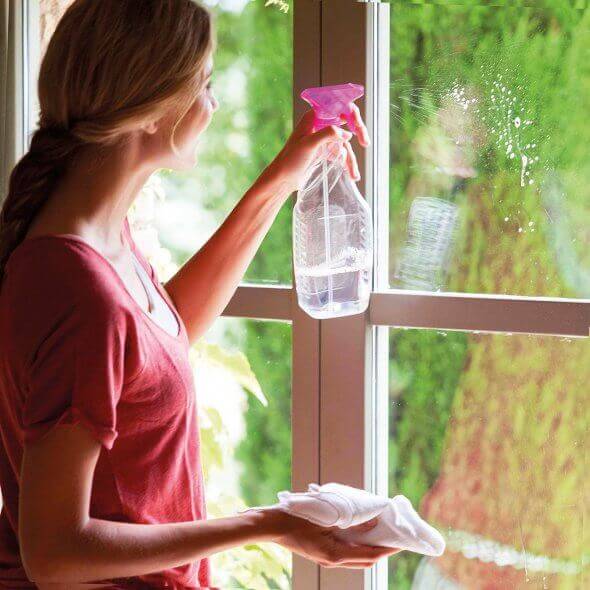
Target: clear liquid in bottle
(332, 243)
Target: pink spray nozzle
(329, 102)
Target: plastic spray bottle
(332, 228)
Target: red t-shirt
(77, 347)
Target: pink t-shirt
(77, 347)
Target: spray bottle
(332, 229)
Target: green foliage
(236, 364)
(426, 367)
(280, 4)
(269, 106)
(266, 451)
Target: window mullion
(305, 411)
(347, 344)
(261, 302)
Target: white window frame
(339, 382)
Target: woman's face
(188, 130)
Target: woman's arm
(204, 285)
(60, 544)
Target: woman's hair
(110, 66)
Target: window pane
(490, 172)
(243, 380)
(488, 438)
(253, 83)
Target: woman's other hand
(320, 545)
(302, 149)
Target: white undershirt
(159, 310)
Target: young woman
(99, 464)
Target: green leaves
(280, 4)
(234, 363)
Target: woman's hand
(321, 546)
(302, 147)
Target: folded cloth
(333, 504)
(338, 505)
(399, 525)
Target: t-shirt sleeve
(77, 373)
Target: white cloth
(342, 506)
(159, 310)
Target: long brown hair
(110, 66)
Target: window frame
(340, 366)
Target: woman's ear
(150, 127)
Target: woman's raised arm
(205, 284)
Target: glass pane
(253, 83)
(489, 436)
(243, 379)
(490, 172)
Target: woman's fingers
(343, 152)
(366, 556)
(362, 132)
(352, 164)
(362, 553)
(353, 565)
(366, 526)
(304, 125)
(329, 134)
(333, 134)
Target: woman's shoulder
(59, 288)
(59, 272)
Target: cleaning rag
(338, 505)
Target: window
(488, 437)
(466, 378)
(243, 376)
(488, 182)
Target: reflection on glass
(488, 437)
(253, 83)
(243, 379)
(487, 117)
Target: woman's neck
(93, 197)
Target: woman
(100, 468)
